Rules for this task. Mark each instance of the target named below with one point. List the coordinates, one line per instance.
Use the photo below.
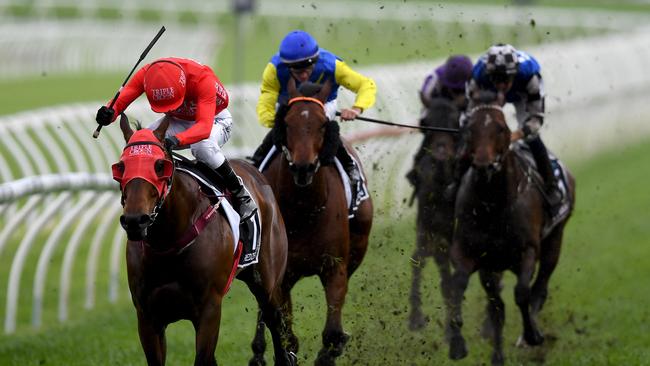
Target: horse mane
(441, 112)
(309, 89)
(331, 140)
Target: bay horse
(431, 175)
(172, 276)
(500, 216)
(311, 195)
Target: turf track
(597, 313)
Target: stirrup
(245, 206)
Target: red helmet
(164, 84)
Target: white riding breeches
(330, 109)
(207, 151)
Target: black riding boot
(242, 201)
(353, 173)
(262, 150)
(540, 154)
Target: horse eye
(159, 166)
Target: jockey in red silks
(195, 101)
(300, 58)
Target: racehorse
(311, 195)
(176, 270)
(431, 175)
(500, 217)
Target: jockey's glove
(531, 126)
(105, 115)
(171, 142)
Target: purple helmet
(455, 72)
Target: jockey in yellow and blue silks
(300, 58)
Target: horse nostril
(134, 222)
(144, 220)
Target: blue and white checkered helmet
(501, 59)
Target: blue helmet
(298, 48)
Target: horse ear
(291, 88)
(324, 91)
(127, 131)
(162, 128)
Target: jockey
(300, 58)
(517, 75)
(446, 81)
(195, 101)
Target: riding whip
(144, 54)
(428, 128)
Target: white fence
(46, 47)
(206, 11)
(43, 44)
(596, 89)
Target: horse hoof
(457, 348)
(291, 359)
(417, 320)
(534, 338)
(336, 345)
(324, 359)
(257, 361)
(497, 359)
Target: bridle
(161, 199)
(497, 164)
(285, 149)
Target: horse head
(486, 136)
(441, 146)
(307, 132)
(145, 174)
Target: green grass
(597, 312)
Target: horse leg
(532, 334)
(207, 333)
(259, 342)
(287, 311)
(459, 280)
(491, 282)
(417, 320)
(441, 257)
(152, 338)
(549, 256)
(487, 329)
(276, 314)
(359, 231)
(335, 281)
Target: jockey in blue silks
(517, 75)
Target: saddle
(525, 157)
(212, 185)
(361, 189)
